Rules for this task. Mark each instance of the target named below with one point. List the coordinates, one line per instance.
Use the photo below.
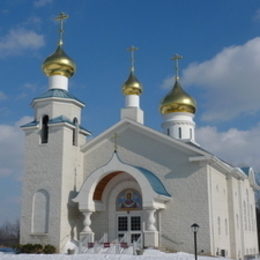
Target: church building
(131, 182)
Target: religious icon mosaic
(129, 200)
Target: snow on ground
(149, 254)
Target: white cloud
(19, 40)
(41, 3)
(230, 81)
(12, 149)
(168, 82)
(240, 148)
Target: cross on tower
(60, 18)
(115, 138)
(132, 49)
(176, 57)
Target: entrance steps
(113, 249)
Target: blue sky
(219, 41)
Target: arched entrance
(102, 193)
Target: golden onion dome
(59, 63)
(132, 86)
(178, 101)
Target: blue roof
(33, 123)
(64, 119)
(245, 170)
(155, 182)
(59, 119)
(59, 93)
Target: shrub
(34, 249)
(49, 249)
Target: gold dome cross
(176, 57)
(60, 18)
(132, 49)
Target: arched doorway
(99, 197)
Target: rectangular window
(122, 224)
(135, 223)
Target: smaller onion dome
(59, 63)
(132, 86)
(178, 101)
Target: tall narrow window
(168, 131)
(245, 220)
(75, 132)
(180, 134)
(248, 210)
(190, 133)
(45, 129)
(219, 226)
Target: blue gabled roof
(59, 93)
(155, 182)
(33, 123)
(245, 170)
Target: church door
(130, 225)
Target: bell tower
(53, 159)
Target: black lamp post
(195, 229)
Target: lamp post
(195, 229)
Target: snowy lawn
(148, 254)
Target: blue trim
(59, 93)
(33, 123)
(155, 182)
(60, 119)
(64, 119)
(245, 170)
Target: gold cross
(60, 18)
(176, 57)
(115, 139)
(132, 49)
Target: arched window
(75, 132)
(40, 212)
(45, 129)
(129, 199)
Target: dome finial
(132, 86)
(176, 57)
(59, 63)
(60, 18)
(177, 100)
(132, 49)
